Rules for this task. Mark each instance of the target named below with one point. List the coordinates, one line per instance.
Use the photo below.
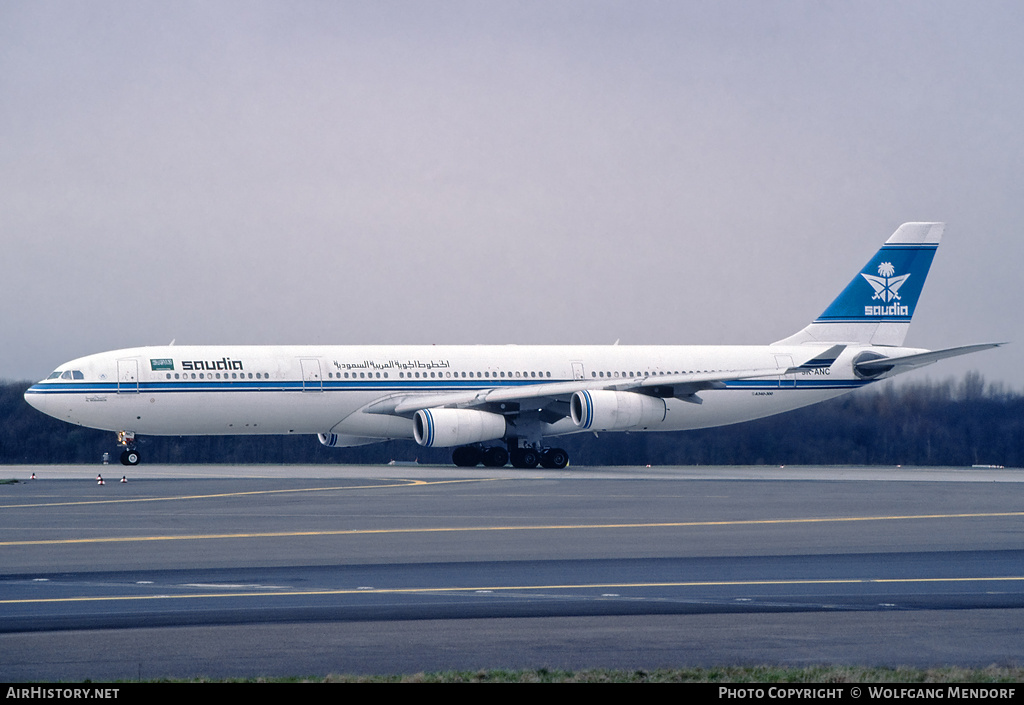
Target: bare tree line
(949, 422)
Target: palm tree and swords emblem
(886, 286)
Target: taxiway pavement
(256, 570)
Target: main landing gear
(496, 457)
(471, 456)
(129, 456)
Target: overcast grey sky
(500, 172)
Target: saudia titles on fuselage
(224, 363)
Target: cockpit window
(54, 375)
(66, 374)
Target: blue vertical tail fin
(877, 306)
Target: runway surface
(244, 571)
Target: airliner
(496, 404)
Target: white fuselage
(224, 390)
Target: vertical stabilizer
(877, 306)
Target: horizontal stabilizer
(884, 364)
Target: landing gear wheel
(495, 457)
(130, 457)
(466, 457)
(525, 458)
(554, 458)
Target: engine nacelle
(606, 410)
(336, 440)
(439, 428)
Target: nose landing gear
(129, 456)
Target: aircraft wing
(681, 386)
(694, 382)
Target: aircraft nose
(36, 397)
(31, 394)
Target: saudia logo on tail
(887, 289)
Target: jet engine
(606, 410)
(336, 440)
(437, 428)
